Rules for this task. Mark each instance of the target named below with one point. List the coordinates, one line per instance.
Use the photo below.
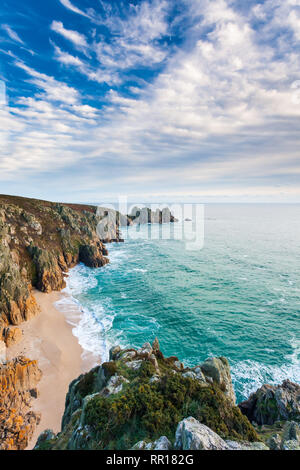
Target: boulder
(274, 442)
(145, 351)
(199, 375)
(12, 335)
(179, 365)
(272, 403)
(162, 443)
(290, 445)
(113, 352)
(129, 355)
(135, 365)
(291, 436)
(192, 435)
(218, 369)
(155, 346)
(154, 378)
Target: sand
(48, 338)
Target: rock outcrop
(273, 403)
(162, 443)
(137, 400)
(147, 216)
(288, 439)
(218, 369)
(18, 382)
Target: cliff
(39, 242)
(143, 400)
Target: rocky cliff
(39, 242)
(143, 400)
(18, 382)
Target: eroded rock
(192, 435)
(17, 422)
(273, 403)
(218, 369)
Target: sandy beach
(48, 338)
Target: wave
(92, 324)
(249, 375)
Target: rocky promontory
(141, 399)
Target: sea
(236, 294)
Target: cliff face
(139, 398)
(18, 381)
(39, 242)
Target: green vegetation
(146, 411)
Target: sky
(156, 100)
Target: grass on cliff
(147, 411)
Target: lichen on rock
(18, 381)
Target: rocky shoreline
(141, 400)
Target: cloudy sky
(154, 99)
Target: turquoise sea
(237, 297)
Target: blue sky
(189, 100)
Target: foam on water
(91, 325)
(248, 376)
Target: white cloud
(220, 113)
(133, 42)
(12, 34)
(73, 8)
(66, 58)
(76, 38)
(52, 89)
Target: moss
(147, 411)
